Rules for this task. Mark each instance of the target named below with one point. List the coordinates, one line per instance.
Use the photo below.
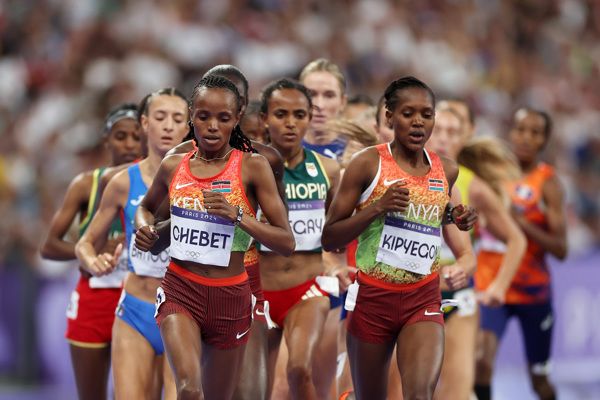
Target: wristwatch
(240, 214)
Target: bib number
(145, 263)
(306, 220)
(409, 245)
(201, 237)
(115, 278)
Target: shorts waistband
(229, 281)
(396, 287)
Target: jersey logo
(182, 185)
(524, 192)
(221, 186)
(311, 169)
(138, 201)
(390, 182)
(437, 185)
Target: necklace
(198, 156)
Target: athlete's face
(214, 115)
(384, 130)
(412, 118)
(253, 127)
(287, 118)
(165, 123)
(446, 135)
(327, 98)
(468, 129)
(527, 135)
(124, 141)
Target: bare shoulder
(450, 168)
(110, 172)
(332, 167)
(255, 160)
(553, 188)
(182, 148)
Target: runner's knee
(189, 391)
(298, 374)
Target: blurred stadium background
(65, 63)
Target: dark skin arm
(553, 240)
(75, 202)
(277, 235)
(341, 226)
(163, 222)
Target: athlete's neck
(528, 165)
(320, 137)
(291, 157)
(213, 155)
(150, 164)
(404, 155)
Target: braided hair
(407, 82)
(283, 83)
(232, 73)
(237, 139)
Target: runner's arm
(88, 246)
(77, 197)
(553, 240)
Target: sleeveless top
(197, 235)
(142, 263)
(463, 183)
(403, 248)
(531, 283)
(114, 279)
(306, 187)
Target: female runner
(253, 382)
(92, 307)
(136, 339)
(204, 303)
(397, 253)
(298, 304)
(537, 207)
(461, 325)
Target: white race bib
(409, 245)
(306, 220)
(115, 278)
(145, 263)
(201, 237)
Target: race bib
(145, 263)
(201, 237)
(409, 245)
(115, 278)
(306, 220)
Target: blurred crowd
(65, 63)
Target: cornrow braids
(283, 83)
(232, 73)
(407, 82)
(237, 139)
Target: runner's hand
(343, 278)
(105, 263)
(464, 217)
(493, 296)
(145, 237)
(111, 244)
(454, 276)
(215, 203)
(395, 199)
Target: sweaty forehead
(215, 98)
(288, 98)
(414, 97)
(168, 103)
(321, 81)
